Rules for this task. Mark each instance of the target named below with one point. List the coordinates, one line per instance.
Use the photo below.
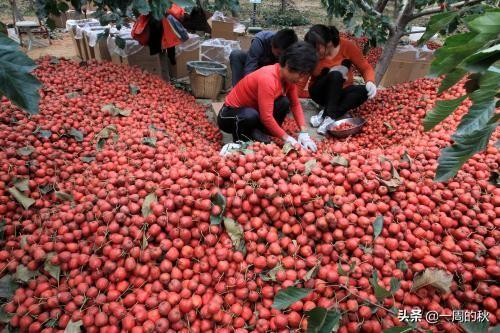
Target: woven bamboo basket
(206, 78)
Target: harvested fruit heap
(132, 221)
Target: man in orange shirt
(331, 83)
(260, 102)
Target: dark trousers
(237, 60)
(328, 91)
(240, 122)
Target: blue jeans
(237, 60)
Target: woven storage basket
(207, 78)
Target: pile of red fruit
(343, 127)
(133, 222)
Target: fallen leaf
(436, 278)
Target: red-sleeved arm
(295, 106)
(265, 96)
(357, 58)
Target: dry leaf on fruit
(436, 278)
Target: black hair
(300, 57)
(320, 34)
(284, 38)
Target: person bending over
(265, 50)
(331, 83)
(260, 102)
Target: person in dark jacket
(265, 50)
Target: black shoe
(258, 135)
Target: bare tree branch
(368, 9)
(434, 10)
(380, 6)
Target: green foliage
(475, 54)
(290, 18)
(321, 320)
(16, 82)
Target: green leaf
(146, 205)
(453, 157)
(402, 266)
(395, 285)
(43, 133)
(476, 327)
(22, 184)
(16, 82)
(380, 292)
(115, 111)
(63, 196)
(495, 178)
(133, 88)
(442, 110)
(341, 271)
(483, 104)
(46, 189)
(339, 160)
(104, 134)
(23, 242)
(142, 6)
(271, 275)
(50, 23)
(63, 6)
(87, 159)
(73, 327)
(311, 273)
(73, 94)
(309, 166)
(218, 200)
(24, 274)
(288, 296)
(389, 127)
(287, 148)
(481, 60)
(53, 270)
(76, 134)
(8, 287)
(321, 320)
(149, 141)
(451, 79)
(2, 229)
(399, 329)
(26, 151)
(187, 3)
(235, 232)
(486, 23)
(455, 49)
(378, 224)
(159, 8)
(437, 23)
(25, 201)
(4, 316)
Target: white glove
(371, 89)
(291, 141)
(229, 148)
(342, 69)
(306, 142)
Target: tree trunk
(283, 6)
(16, 12)
(387, 54)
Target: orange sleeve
(303, 88)
(356, 56)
